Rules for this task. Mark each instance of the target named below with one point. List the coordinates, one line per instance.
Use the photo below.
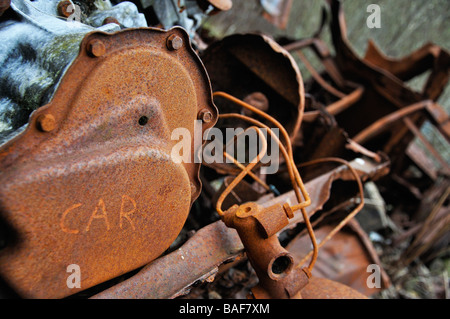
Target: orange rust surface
(100, 189)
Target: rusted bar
(416, 131)
(322, 51)
(383, 123)
(300, 44)
(336, 107)
(422, 160)
(169, 276)
(319, 79)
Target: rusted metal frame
(384, 122)
(402, 114)
(323, 53)
(441, 119)
(199, 258)
(407, 67)
(319, 79)
(387, 84)
(416, 131)
(345, 100)
(336, 107)
(430, 56)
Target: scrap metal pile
(93, 106)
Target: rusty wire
(293, 181)
(243, 173)
(296, 180)
(250, 173)
(355, 211)
(289, 158)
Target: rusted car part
(344, 259)
(257, 230)
(255, 68)
(386, 91)
(391, 114)
(84, 183)
(201, 256)
(385, 122)
(274, 265)
(321, 136)
(278, 277)
(383, 77)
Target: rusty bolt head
(65, 8)
(46, 122)
(205, 115)
(174, 42)
(96, 48)
(288, 210)
(110, 20)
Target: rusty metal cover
(245, 64)
(91, 181)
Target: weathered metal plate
(91, 180)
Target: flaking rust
(91, 181)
